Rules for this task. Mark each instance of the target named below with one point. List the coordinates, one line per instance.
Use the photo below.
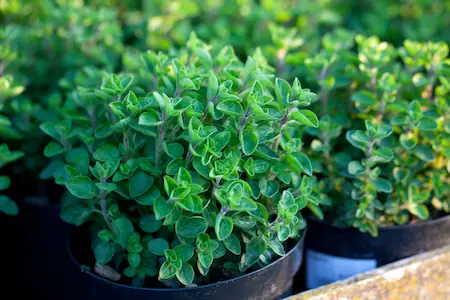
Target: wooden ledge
(424, 276)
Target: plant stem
(282, 122)
(244, 121)
(189, 155)
(125, 141)
(104, 209)
(159, 142)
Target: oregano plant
(382, 145)
(189, 166)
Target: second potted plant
(381, 154)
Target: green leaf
(167, 271)
(162, 207)
(264, 151)
(231, 107)
(140, 183)
(364, 98)
(277, 247)
(421, 211)
(427, 124)
(212, 245)
(205, 259)
(129, 271)
(260, 166)
(355, 168)
(243, 204)
(425, 153)
(382, 185)
(299, 162)
(149, 224)
(150, 118)
(81, 187)
(249, 142)
(213, 86)
(269, 188)
(232, 243)
(185, 252)
(248, 166)
(53, 149)
(134, 259)
(283, 91)
(109, 187)
(220, 251)
(306, 117)
(408, 142)
(4, 182)
(254, 249)
(183, 176)
(224, 227)
(384, 153)
(191, 203)
(174, 150)
(104, 252)
(357, 138)
(149, 197)
(169, 184)
(122, 229)
(158, 246)
(105, 235)
(399, 120)
(316, 211)
(186, 274)
(8, 206)
(106, 152)
(190, 227)
(221, 140)
(283, 232)
(415, 110)
(173, 216)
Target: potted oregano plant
(188, 176)
(381, 154)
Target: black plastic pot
(37, 262)
(271, 282)
(344, 252)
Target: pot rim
(298, 245)
(392, 227)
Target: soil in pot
(335, 253)
(270, 282)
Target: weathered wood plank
(425, 276)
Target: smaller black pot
(334, 253)
(271, 282)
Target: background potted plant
(381, 152)
(50, 42)
(188, 169)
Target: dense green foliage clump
(195, 157)
(192, 159)
(383, 142)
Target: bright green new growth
(397, 118)
(189, 166)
